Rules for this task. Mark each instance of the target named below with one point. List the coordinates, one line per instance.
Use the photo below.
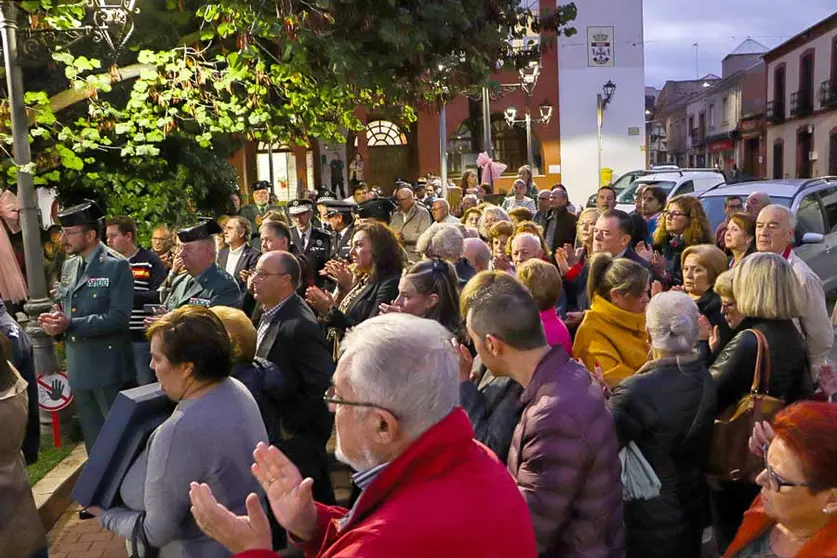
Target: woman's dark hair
(438, 277)
(194, 334)
(387, 253)
(464, 182)
(658, 193)
(619, 274)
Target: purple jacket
(564, 456)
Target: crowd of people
(492, 372)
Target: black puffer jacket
(733, 368)
(493, 405)
(667, 409)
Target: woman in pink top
(544, 282)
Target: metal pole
(486, 123)
(530, 158)
(599, 118)
(39, 302)
(443, 150)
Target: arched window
(380, 133)
(276, 163)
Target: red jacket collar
(786, 254)
(756, 522)
(436, 451)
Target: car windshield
(628, 195)
(714, 207)
(624, 181)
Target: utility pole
(39, 301)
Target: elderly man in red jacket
(428, 489)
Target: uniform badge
(259, 220)
(96, 282)
(200, 302)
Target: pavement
(72, 537)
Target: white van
(673, 183)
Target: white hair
(443, 202)
(471, 233)
(498, 212)
(782, 209)
(530, 237)
(672, 322)
(441, 240)
(405, 364)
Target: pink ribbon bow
(490, 169)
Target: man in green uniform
(204, 283)
(256, 211)
(96, 293)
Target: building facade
(392, 150)
(801, 112)
(608, 46)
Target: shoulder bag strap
(761, 374)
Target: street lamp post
(112, 24)
(601, 104)
(39, 301)
(545, 115)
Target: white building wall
(579, 84)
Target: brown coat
(21, 532)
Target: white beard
(366, 462)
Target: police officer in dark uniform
(204, 283)
(96, 293)
(339, 216)
(313, 243)
(257, 210)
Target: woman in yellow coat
(612, 333)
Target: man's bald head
(756, 202)
(280, 262)
(477, 252)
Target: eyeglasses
(330, 399)
(66, 232)
(262, 274)
(674, 214)
(773, 481)
(727, 305)
(735, 206)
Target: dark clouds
(718, 26)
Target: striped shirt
(149, 272)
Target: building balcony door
(750, 166)
(803, 154)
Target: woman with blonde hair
(612, 334)
(682, 224)
(572, 262)
(701, 265)
(471, 218)
(769, 297)
(520, 214)
(490, 215)
(500, 236)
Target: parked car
(626, 179)
(814, 201)
(674, 183)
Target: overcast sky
(718, 26)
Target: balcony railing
(775, 111)
(802, 102)
(828, 93)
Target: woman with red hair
(796, 512)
